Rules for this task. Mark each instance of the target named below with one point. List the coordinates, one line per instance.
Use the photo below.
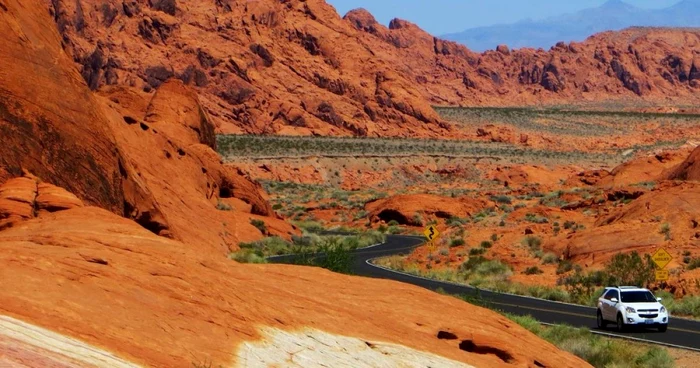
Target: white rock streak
(313, 348)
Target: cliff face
(147, 157)
(292, 67)
(296, 67)
(637, 64)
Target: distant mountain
(612, 16)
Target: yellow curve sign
(431, 233)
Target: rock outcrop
(296, 67)
(105, 281)
(149, 157)
(686, 170)
(416, 209)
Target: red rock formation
(26, 197)
(298, 68)
(407, 209)
(264, 66)
(104, 280)
(687, 170)
(146, 157)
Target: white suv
(631, 306)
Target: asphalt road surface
(681, 333)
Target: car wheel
(663, 328)
(620, 323)
(601, 322)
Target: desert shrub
(417, 220)
(630, 269)
(503, 199)
(486, 244)
(332, 255)
(455, 221)
(260, 224)
(532, 242)
(531, 217)
(597, 350)
(457, 242)
(393, 223)
(382, 228)
(247, 256)
(688, 305)
(693, 264)
(394, 229)
(666, 230)
(444, 252)
(310, 226)
(550, 258)
(494, 237)
(492, 268)
(564, 267)
(476, 251)
(221, 206)
(277, 206)
(534, 270)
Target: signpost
(661, 258)
(431, 233)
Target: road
(682, 333)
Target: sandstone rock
(145, 156)
(687, 170)
(406, 209)
(51, 198)
(50, 123)
(107, 282)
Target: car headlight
(630, 310)
(663, 309)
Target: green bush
(550, 258)
(532, 242)
(221, 206)
(310, 226)
(455, 222)
(564, 267)
(393, 223)
(531, 217)
(486, 244)
(494, 237)
(260, 224)
(503, 199)
(666, 230)
(476, 251)
(277, 206)
(534, 270)
(630, 269)
(457, 242)
(417, 220)
(596, 350)
(693, 264)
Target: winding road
(682, 333)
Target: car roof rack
(628, 287)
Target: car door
(612, 306)
(608, 309)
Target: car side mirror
(614, 300)
(658, 299)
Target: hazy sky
(446, 16)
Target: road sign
(431, 233)
(661, 275)
(431, 247)
(662, 258)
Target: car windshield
(637, 297)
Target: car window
(609, 295)
(638, 297)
